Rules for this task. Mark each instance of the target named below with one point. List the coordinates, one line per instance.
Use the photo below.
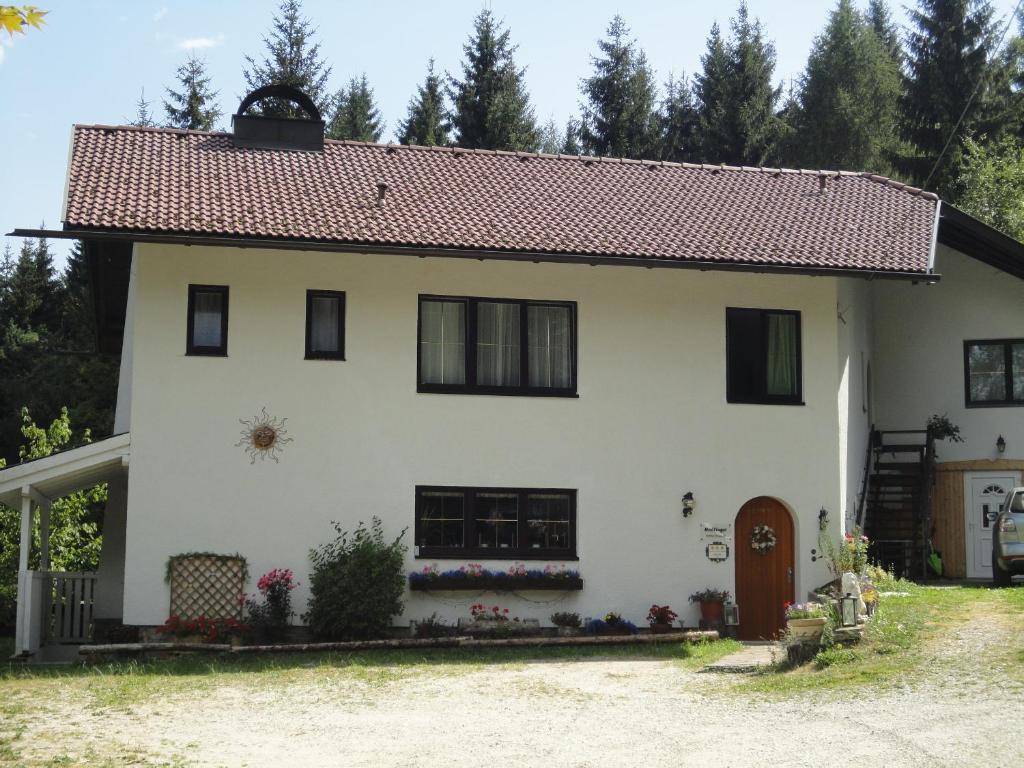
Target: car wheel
(1000, 578)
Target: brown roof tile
(187, 182)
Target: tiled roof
(194, 183)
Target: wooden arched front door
(764, 580)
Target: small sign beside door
(717, 551)
(714, 531)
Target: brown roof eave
(226, 241)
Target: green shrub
(357, 584)
(837, 654)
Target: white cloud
(1, 54)
(159, 15)
(201, 42)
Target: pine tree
(194, 107)
(711, 87)
(619, 116)
(491, 107)
(886, 30)
(738, 120)
(551, 138)
(678, 121)
(950, 51)
(292, 59)
(143, 113)
(848, 102)
(752, 97)
(356, 115)
(426, 122)
(571, 143)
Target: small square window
(207, 320)
(763, 356)
(325, 325)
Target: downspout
(935, 238)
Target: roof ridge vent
(275, 132)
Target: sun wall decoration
(263, 436)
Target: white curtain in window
(497, 344)
(323, 335)
(550, 348)
(442, 342)
(782, 362)
(206, 324)
(1018, 371)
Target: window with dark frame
(325, 325)
(499, 523)
(207, 320)
(763, 358)
(994, 372)
(496, 346)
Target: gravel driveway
(582, 713)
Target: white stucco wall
(919, 337)
(854, 315)
(650, 423)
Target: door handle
(789, 575)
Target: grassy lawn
(905, 640)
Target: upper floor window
(325, 325)
(207, 320)
(763, 356)
(495, 522)
(496, 346)
(994, 372)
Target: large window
(495, 523)
(325, 325)
(763, 356)
(994, 372)
(207, 320)
(496, 346)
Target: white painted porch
(56, 608)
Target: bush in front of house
(269, 618)
(356, 585)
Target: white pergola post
(21, 628)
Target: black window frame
(523, 389)
(192, 349)
(469, 526)
(312, 294)
(1007, 345)
(763, 398)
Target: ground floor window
(519, 523)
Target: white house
(529, 359)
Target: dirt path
(585, 713)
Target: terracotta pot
(711, 611)
(660, 629)
(807, 630)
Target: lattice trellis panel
(205, 585)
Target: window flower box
(474, 577)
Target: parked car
(1008, 540)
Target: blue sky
(89, 64)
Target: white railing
(69, 615)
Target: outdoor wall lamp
(822, 519)
(1001, 444)
(689, 504)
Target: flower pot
(568, 631)
(660, 629)
(711, 611)
(806, 630)
(193, 639)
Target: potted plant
(202, 630)
(568, 623)
(660, 617)
(806, 621)
(712, 602)
(611, 624)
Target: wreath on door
(762, 539)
